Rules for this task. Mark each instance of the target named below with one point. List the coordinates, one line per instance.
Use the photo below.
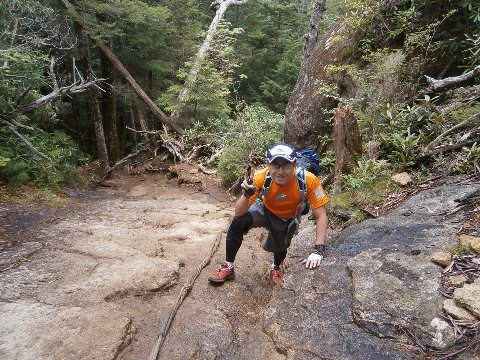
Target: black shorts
(280, 231)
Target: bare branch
(214, 157)
(15, 123)
(65, 90)
(437, 140)
(458, 145)
(24, 140)
(454, 80)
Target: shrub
(19, 165)
(250, 135)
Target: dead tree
(8, 118)
(93, 100)
(319, 8)
(454, 80)
(347, 143)
(220, 7)
(107, 52)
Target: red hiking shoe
(222, 274)
(277, 274)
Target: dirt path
(97, 278)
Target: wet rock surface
(101, 282)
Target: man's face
(281, 170)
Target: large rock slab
(389, 288)
(376, 287)
(93, 281)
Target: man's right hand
(248, 188)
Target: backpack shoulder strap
(302, 186)
(266, 185)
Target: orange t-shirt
(283, 201)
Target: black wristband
(319, 248)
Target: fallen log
(454, 80)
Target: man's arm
(241, 206)
(322, 223)
(315, 258)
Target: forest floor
(98, 276)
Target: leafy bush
(366, 174)
(19, 165)
(232, 164)
(399, 148)
(250, 135)
(469, 161)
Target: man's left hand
(313, 260)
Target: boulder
(388, 290)
(472, 241)
(402, 179)
(457, 312)
(468, 297)
(456, 280)
(376, 284)
(442, 258)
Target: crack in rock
(171, 281)
(126, 338)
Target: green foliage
(327, 160)
(399, 148)
(473, 50)
(250, 135)
(23, 166)
(369, 184)
(473, 10)
(270, 51)
(232, 164)
(469, 162)
(466, 112)
(459, 250)
(366, 174)
(120, 14)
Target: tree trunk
(347, 143)
(220, 7)
(132, 125)
(94, 106)
(109, 110)
(319, 8)
(122, 70)
(93, 102)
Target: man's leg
(277, 271)
(278, 257)
(238, 227)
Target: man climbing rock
(284, 190)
